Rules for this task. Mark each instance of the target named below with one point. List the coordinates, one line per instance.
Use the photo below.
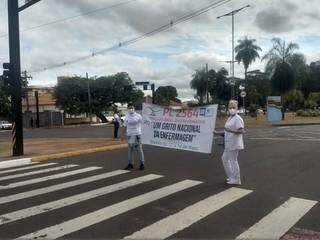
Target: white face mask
(131, 110)
(233, 111)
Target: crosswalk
(24, 195)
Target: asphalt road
(95, 131)
(280, 191)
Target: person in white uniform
(233, 142)
(132, 124)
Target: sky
(167, 58)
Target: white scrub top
(233, 141)
(133, 124)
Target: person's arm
(220, 133)
(123, 130)
(237, 128)
(236, 131)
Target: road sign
(142, 83)
(243, 94)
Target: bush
(308, 113)
(253, 108)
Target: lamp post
(232, 13)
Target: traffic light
(6, 79)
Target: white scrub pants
(231, 165)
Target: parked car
(5, 125)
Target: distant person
(233, 142)
(132, 127)
(116, 124)
(31, 122)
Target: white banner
(172, 127)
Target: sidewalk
(41, 149)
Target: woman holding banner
(233, 142)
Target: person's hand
(229, 130)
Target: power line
(165, 27)
(73, 17)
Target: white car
(5, 125)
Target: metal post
(37, 109)
(89, 98)
(207, 88)
(152, 88)
(232, 15)
(233, 82)
(14, 46)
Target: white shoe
(232, 182)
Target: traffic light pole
(15, 74)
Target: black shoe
(142, 167)
(128, 167)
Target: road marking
(280, 220)
(15, 163)
(190, 215)
(57, 187)
(50, 206)
(103, 214)
(51, 177)
(38, 172)
(28, 168)
(288, 139)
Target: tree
(295, 99)
(280, 52)
(247, 52)
(71, 94)
(165, 94)
(282, 81)
(222, 86)
(258, 88)
(312, 81)
(199, 83)
(5, 99)
(5, 105)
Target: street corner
(52, 156)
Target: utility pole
(14, 45)
(207, 88)
(152, 89)
(15, 73)
(36, 93)
(232, 15)
(89, 98)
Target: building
(49, 114)
(46, 99)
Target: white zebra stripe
(190, 215)
(280, 220)
(46, 207)
(61, 186)
(103, 214)
(37, 172)
(27, 168)
(51, 177)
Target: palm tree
(247, 52)
(280, 52)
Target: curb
(77, 153)
(15, 163)
(294, 124)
